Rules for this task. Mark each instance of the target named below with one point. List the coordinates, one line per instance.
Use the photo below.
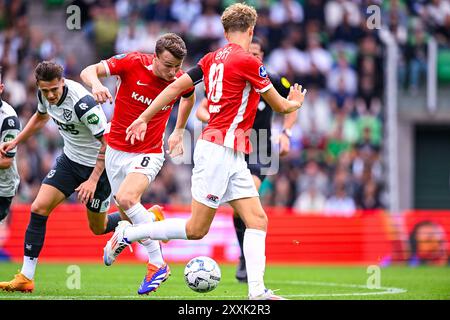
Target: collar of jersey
(63, 97)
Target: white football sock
(161, 230)
(255, 260)
(138, 216)
(29, 267)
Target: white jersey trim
(265, 88)
(105, 64)
(230, 137)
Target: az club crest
(67, 115)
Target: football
(202, 274)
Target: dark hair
(413, 236)
(258, 41)
(1, 69)
(172, 43)
(48, 71)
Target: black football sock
(35, 235)
(239, 227)
(113, 221)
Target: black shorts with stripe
(67, 175)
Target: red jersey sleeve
(118, 63)
(203, 63)
(254, 71)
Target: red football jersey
(234, 79)
(137, 87)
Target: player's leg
(255, 219)
(242, 195)
(209, 181)
(239, 227)
(141, 170)
(47, 199)
(59, 184)
(100, 222)
(194, 228)
(5, 204)
(129, 200)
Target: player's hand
(6, 147)
(296, 94)
(285, 144)
(86, 191)
(101, 94)
(136, 131)
(175, 143)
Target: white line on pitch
(387, 290)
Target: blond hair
(239, 17)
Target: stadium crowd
(336, 161)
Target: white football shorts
(120, 163)
(220, 175)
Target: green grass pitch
(121, 281)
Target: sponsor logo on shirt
(83, 106)
(146, 100)
(139, 83)
(141, 98)
(8, 137)
(93, 119)
(214, 108)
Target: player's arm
(93, 117)
(91, 77)
(285, 105)
(285, 137)
(86, 190)
(9, 130)
(202, 111)
(166, 96)
(36, 123)
(6, 162)
(184, 110)
(254, 71)
(137, 130)
(175, 140)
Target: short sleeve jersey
(9, 129)
(80, 120)
(137, 87)
(233, 79)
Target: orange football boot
(19, 283)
